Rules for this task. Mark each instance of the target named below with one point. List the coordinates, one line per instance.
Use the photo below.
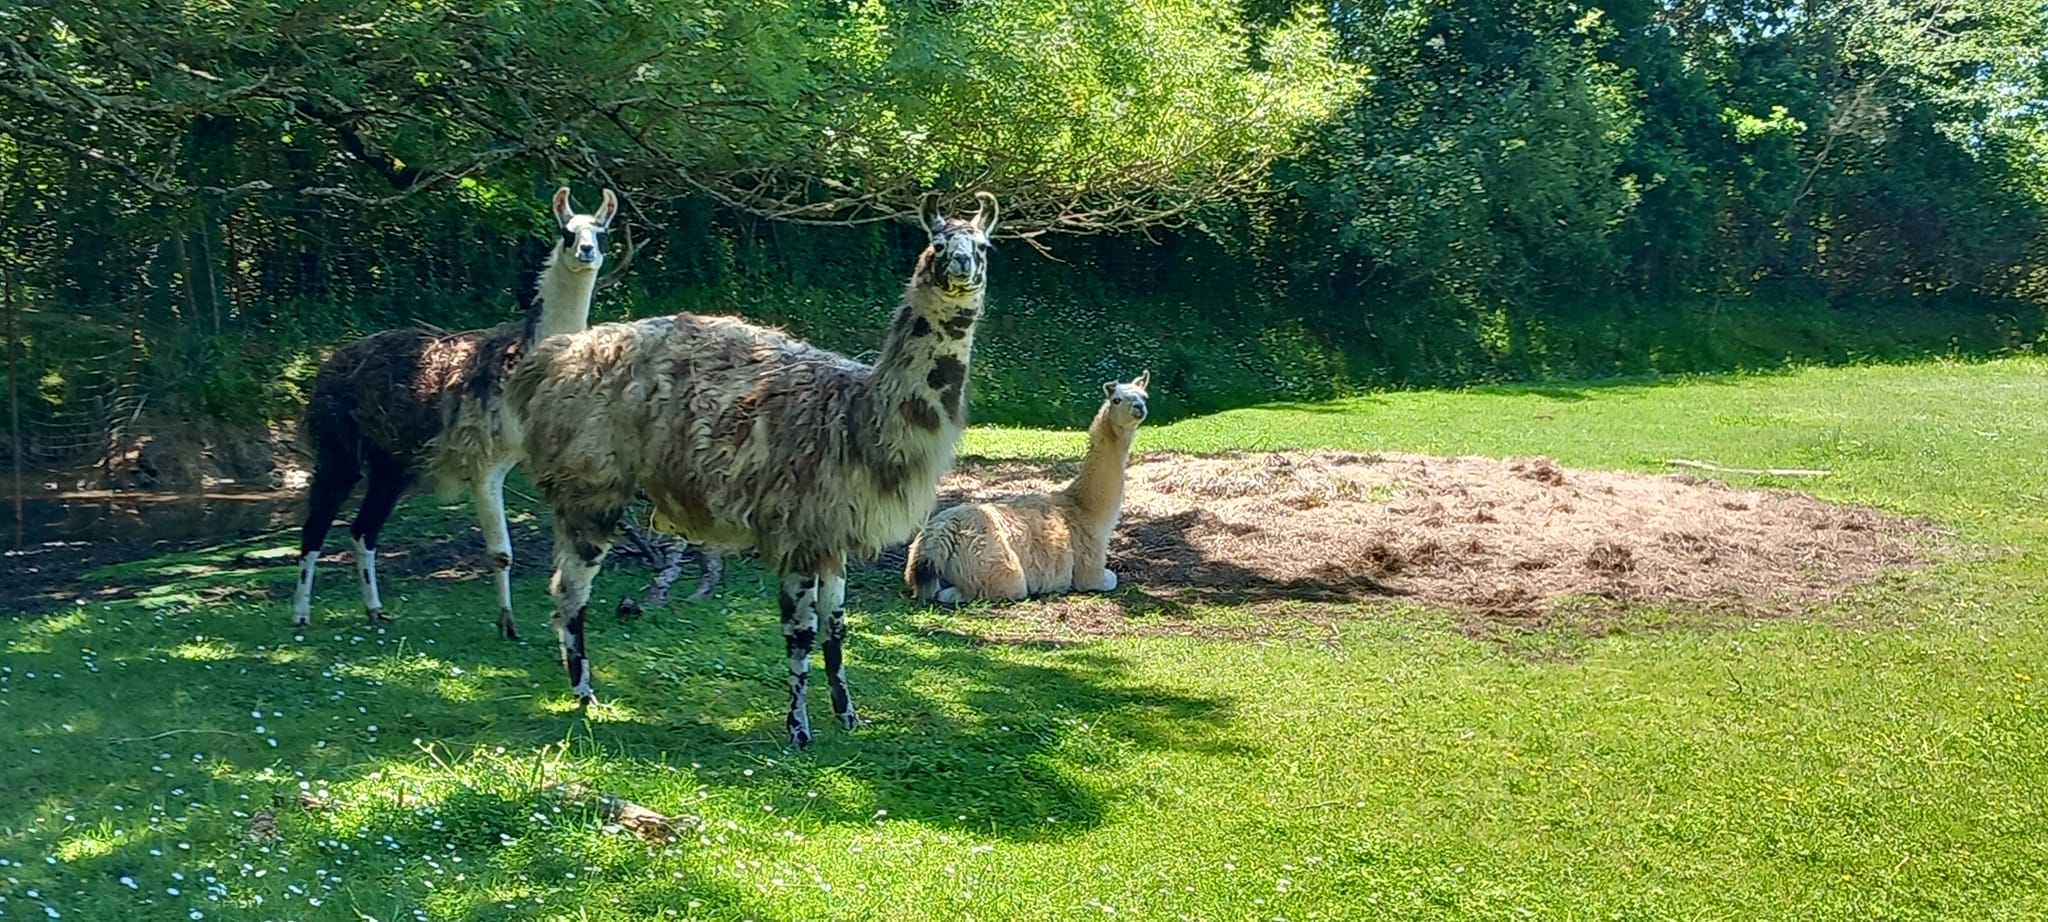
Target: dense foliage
(1259, 200)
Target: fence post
(14, 445)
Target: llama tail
(920, 570)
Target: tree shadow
(191, 708)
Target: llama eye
(1116, 400)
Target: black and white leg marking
(799, 600)
(832, 600)
(366, 575)
(302, 600)
(573, 574)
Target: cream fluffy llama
(741, 435)
(415, 404)
(1038, 543)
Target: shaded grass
(1881, 761)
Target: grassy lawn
(1886, 760)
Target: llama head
(1124, 403)
(956, 262)
(581, 247)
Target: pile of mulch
(1509, 540)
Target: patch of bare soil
(1510, 541)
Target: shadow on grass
(177, 714)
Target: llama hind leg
(387, 484)
(489, 491)
(714, 570)
(332, 481)
(799, 602)
(832, 601)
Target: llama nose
(586, 253)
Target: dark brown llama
(742, 436)
(412, 404)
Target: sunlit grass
(181, 753)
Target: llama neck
(561, 301)
(1099, 489)
(920, 380)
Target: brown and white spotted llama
(1037, 543)
(414, 403)
(742, 436)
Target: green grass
(1888, 760)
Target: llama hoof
(799, 738)
(1108, 582)
(506, 629)
(377, 616)
(950, 596)
(849, 720)
(629, 609)
(585, 700)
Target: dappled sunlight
(205, 651)
(87, 846)
(41, 629)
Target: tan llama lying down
(1037, 543)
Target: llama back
(367, 388)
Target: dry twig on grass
(1752, 471)
(650, 825)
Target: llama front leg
(1092, 573)
(576, 565)
(799, 602)
(832, 601)
(489, 491)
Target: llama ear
(1109, 388)
(928, 212)
(563, 210)
(985, 216)
(608, 210)
(1142, 381)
